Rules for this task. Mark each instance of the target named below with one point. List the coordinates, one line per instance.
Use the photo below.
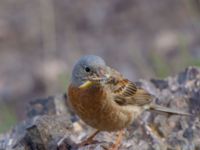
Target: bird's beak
(101, 78)
(86, 84)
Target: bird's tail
(158, 108)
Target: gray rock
(51, 125)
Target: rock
(52, 125)
(53, 105)
(47, 106)
(45, 132)
(160, 84)
(190, 73)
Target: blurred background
(41, 40)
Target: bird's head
(89, 70)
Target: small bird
(105, 100)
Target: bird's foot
(89, 140)
(116, 145)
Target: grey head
(87, 67)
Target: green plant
(7, 118)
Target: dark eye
(87, 69)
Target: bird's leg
(89, 140)
(118, 140)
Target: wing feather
(126, 92)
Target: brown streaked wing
(126, 92)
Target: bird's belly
(106, 120)
(98, 112)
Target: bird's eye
(87, 69)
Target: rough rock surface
(51, 125)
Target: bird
(105, 100)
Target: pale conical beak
(103, 77)
(86, 84)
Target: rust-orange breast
(87, 102)
(95, 107)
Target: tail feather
(159, 108)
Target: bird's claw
(88, 142)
